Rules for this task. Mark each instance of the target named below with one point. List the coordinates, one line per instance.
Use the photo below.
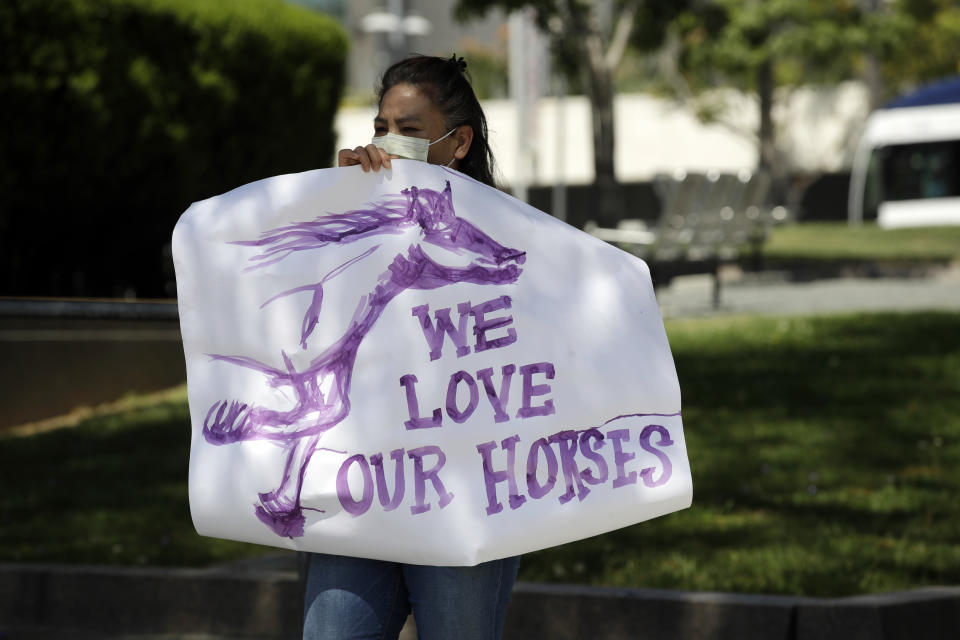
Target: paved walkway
(774, 293)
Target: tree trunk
(872, 73)
(587, 35)
(610, 202)
(769, 161)
(767, 141)
(874, 78)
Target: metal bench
(706, 220)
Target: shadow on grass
(112, 490)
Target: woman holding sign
(429, 112)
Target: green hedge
(120, 113)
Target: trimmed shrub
(119, 113)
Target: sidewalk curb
(95, 602)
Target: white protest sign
(409, 365)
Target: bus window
(917, 171)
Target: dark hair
(446, 84)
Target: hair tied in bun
(459, 62)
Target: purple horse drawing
(322, 388)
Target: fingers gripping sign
(369, 158)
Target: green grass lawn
(825, 453)
(839, 241)
(826, 461)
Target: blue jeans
(356, 598)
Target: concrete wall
(57, 356)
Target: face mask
(407, 146)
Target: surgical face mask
(408, 146)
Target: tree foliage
(808, 40)
(819, 41)
(916, 41)
(769, 47)
(588, 41)
(120, 113)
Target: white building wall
(653, 135)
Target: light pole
(396, 26)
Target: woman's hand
(368, 157)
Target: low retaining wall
(568, 612)
(40, 601)
(57, 355)
(104, 602)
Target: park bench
(706, 220)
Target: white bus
(907, 164)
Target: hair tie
(460, 63)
